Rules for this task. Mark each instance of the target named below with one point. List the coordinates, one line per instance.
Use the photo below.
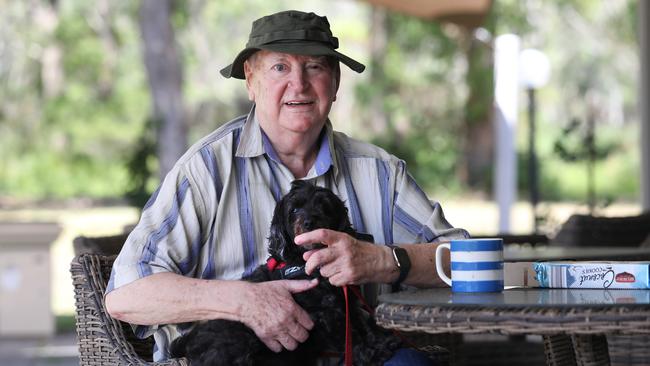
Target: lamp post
(534, 73)
(506, 91)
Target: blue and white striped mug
(476, 265)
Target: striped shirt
(210, 216)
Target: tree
(165, 77)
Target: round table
(575, 323)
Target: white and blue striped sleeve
(416, 218)
(165, 238)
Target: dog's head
(304, 208)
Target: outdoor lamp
(534, 72)
(535, 69)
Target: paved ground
(59, 350)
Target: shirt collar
(250, 140)
(324, 159)
(253, 142)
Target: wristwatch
(402, 261)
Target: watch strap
(401, 257)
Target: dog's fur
(225, 342)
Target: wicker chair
(103, 340)
(106, 341)
(104, 245)
(600, 231)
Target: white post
(506, 72)
(644, 103)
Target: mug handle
(439, 267)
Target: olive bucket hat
(292, 32)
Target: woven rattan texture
(572, 335)
(591, 350)
(627, 350)
(559, 350)
(103, 340)
(534, 320)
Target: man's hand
(346, 260)
(274, 316)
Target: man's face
(292, 93)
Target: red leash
(273, 264)
(348, 329)
(371, 311)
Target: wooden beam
(469, 13)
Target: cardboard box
(593, 275)
(519, 274)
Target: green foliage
(94, 135)
(592, 48)
(616, 173)
(510, 16)
(76, 139)
(430, 156)
(576, 144)
(83, 51)
(142, 166)
(420, 117)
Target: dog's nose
(308, 224)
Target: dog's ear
(278, 235)
(344, 223)
(178, 347)
(340, 211)
(299, 184)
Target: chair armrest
(102, 339)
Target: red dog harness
(272, 264)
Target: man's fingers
(323, 236)
(329, 270)
(306, 255)
(288, 342)
(337, 280)
(304, 320)
(296, 286)
(272, 344)
(299, 333)
(318, 259)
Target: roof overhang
(467, 13)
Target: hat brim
(236, 69)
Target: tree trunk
(52, 75)
(165, 80)
(378, 40)
(478, 140)
(102, 23)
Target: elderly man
(207, 223)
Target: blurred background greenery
(76, 118)
(81, 141)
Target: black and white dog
(226, 342)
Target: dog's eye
(294, 211)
